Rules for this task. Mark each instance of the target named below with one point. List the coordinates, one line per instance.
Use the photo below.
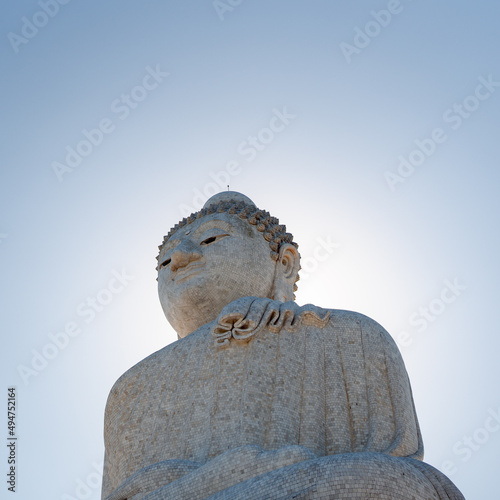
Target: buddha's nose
(184, 254)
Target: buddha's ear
(289, 260)
(287, 267)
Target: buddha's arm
(118, 433)
(365, 346)
(110, 416)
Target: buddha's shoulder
(355, 327)
(334, 317)
(340, 318)
(353, 318)
(255, 315)
(147, 370)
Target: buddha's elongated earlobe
(287, 268)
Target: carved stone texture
(260, 398)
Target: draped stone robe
(300, 382)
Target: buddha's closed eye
(165, 263)
(213, 239)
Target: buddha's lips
(186, 272)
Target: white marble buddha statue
(260, 398)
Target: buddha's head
(228, 250)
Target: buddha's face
(209, 263)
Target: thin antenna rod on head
(228, 187)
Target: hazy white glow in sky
(369, 128)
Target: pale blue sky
(63, 238)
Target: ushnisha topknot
(272, 231)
